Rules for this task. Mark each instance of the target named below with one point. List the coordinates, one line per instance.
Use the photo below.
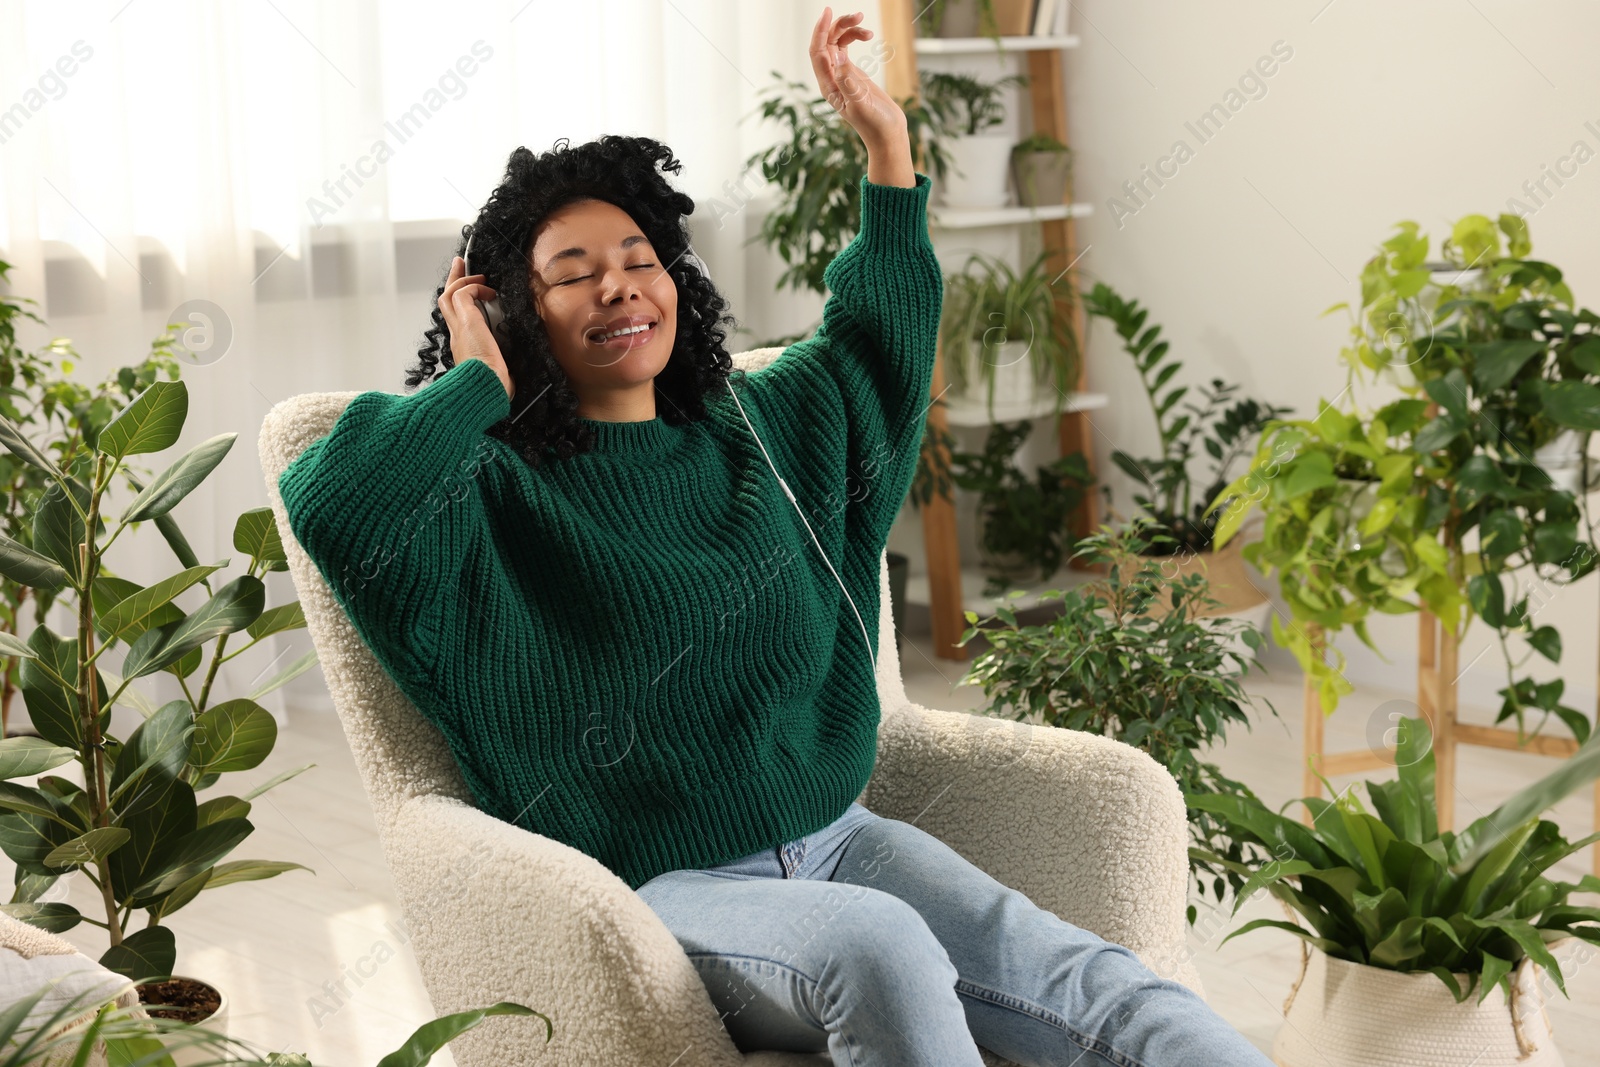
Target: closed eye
(581, 277)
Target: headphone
(494, 315)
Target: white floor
(319, 963)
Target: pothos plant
(1128, 657)
(1505, 361)
(135, 828)
(1346, 530)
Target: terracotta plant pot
(1225, 572)
(1345, 1014)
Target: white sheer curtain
(301, 166)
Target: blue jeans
(876, 941)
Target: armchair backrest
(398, 753)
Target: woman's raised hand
(470, 337)
(858, 99)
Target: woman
(571, 554)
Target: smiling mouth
(623, 340)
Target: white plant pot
(1563, 460)
(1013, 374)
(216, 1023)
(1346, 1014)
(979, 171)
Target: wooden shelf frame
(1438, 672)
(1045, 57)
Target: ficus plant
(135, 827)
(1385, 888)
(39, 398)
(1128, 657)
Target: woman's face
(593, 273)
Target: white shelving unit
(962, 218)
(964, 411)
(959, 46)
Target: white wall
(1422, 109)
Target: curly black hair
(626, 172)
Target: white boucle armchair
(1089, 828)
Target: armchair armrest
(1090, 829)
(498, 913)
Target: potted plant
(37, 399)
(979, 159)
(1025, 524)
(1023, 342)
(1345, 529)
(815, 170)
(132, 824)
(1041, 171)
(958, 18)
(1400, 921)
(1163, 681)
(1508, 367)
(130, 1036)
(1175, 500)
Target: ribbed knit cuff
(895, 217)
(468, 395)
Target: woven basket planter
(1343, 1014)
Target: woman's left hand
(869, 110)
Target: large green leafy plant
(816, 168)
(131, 1039)
(39, 400)
(1386, 889)
(1129, 658)
(135, 827)
(1346, 530)
(1223, 426)
(1506, 361)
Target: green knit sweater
(638, 651)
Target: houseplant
(979, 159)
(1509, 368)
(1025, 524)
(1346, 530)
(958, 18)
(1041, 171)
(1023, 343)
(1407, 922)
(134, 827)
(1163, 681)
(38, 399)
(1175, 500)
(128, 1037)
(815, 169)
